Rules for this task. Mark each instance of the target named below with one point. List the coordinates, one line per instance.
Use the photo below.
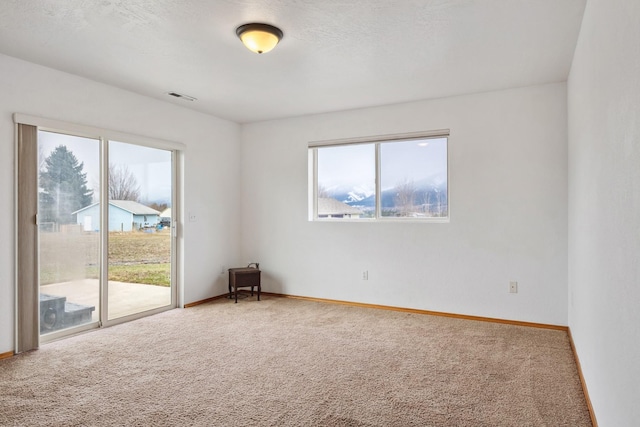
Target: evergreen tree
(63, 187)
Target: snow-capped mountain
(350, 195)
(428, 191)
(362, 195)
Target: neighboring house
(124, 215)
(332, 208)
(165, 217)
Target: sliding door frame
(27, 271)
(104, 224)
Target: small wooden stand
(243, 278)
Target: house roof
(166, 213)
(330, 206)
(127, 205)
(134, 207)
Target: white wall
(211, 177)
(508, 162)
(604, 208)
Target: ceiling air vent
(179, 95)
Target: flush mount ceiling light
(259, 38)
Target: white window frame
(377, 141)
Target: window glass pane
(69, 226)
(139, 229)
(346, 181)
(413, 178)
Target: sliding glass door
(106, 232)
(69, 250)
(140, 233)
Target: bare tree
(442, 205)
(157, 206)
(405, 197)
(322, 191)
(123, 184)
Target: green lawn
(134, 257)
(149, 274)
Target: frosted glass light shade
(259, 38)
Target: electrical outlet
(513, 287)
(365, 275)
(193, 217)
(222, 269)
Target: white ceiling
(335, 54)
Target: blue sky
(354, 165)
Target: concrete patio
(124, 298)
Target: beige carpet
(285, 362)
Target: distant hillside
(427, 194)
